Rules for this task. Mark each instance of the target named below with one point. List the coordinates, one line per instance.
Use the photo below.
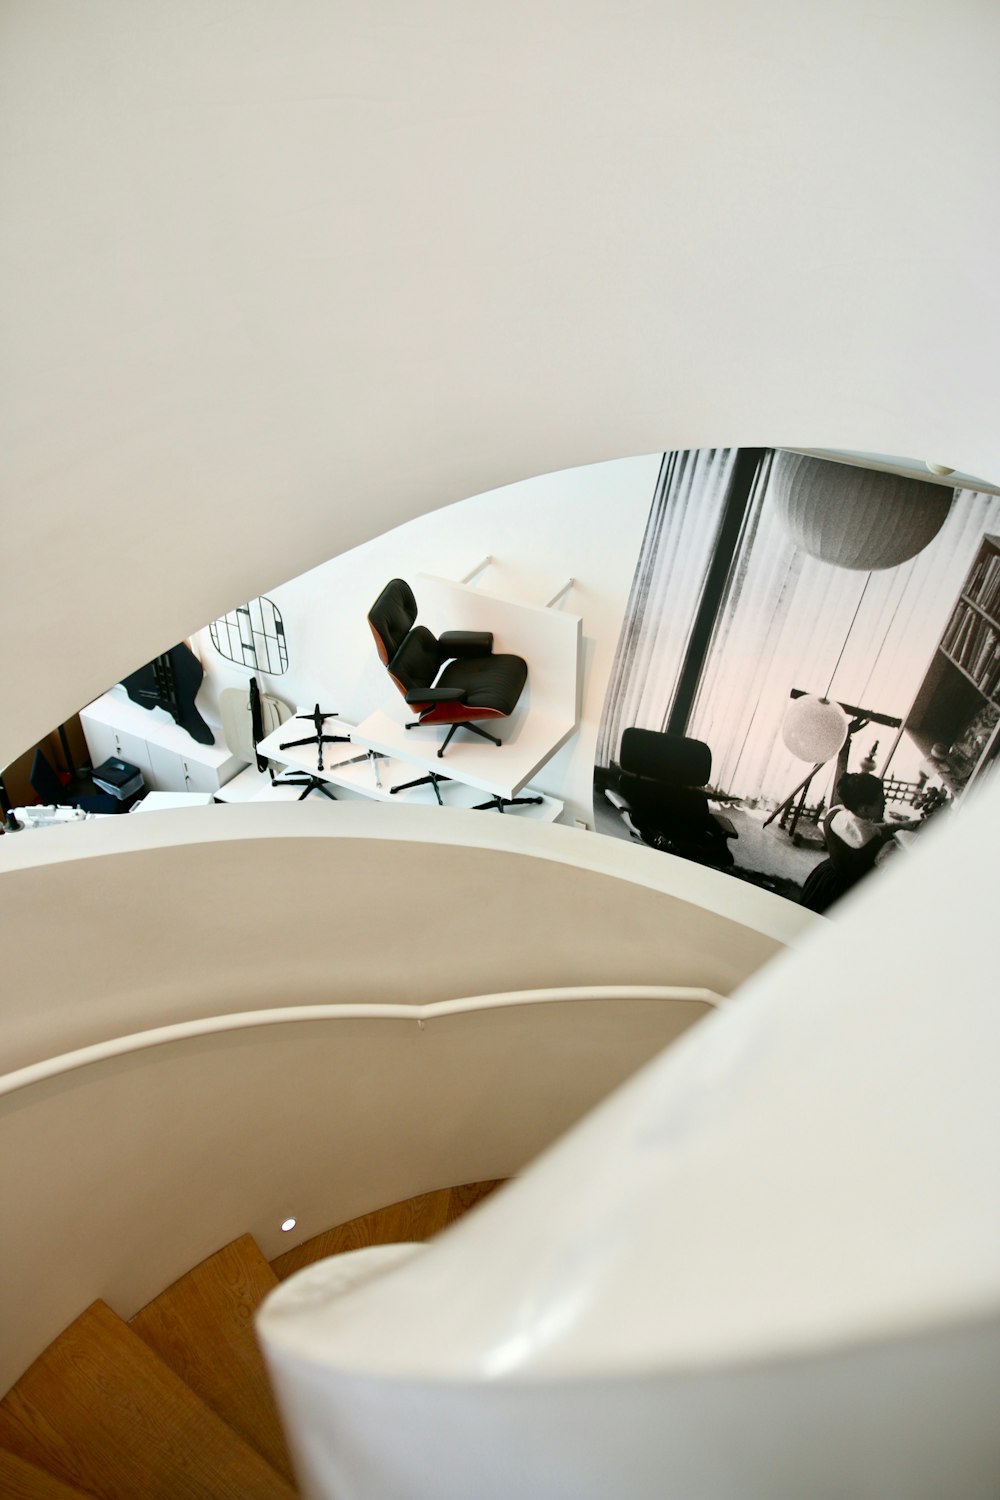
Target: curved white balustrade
(157, 1147)
(290, 1015)
(245, 988)
(202, 912)
(768, 1267)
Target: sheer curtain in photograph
(784, 621)
(789, 621)
(669, 579)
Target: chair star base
(310, 783)
(498, 803)
(432, 779)
(318, 717)
(472, 728)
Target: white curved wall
(279, 278)
(112, 927)
(118, 1177)
(766, 1268)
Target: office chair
(661, 800)
(249, 717)
(474, 684)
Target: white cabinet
(170, 760)
(105, 743)
(188, 771)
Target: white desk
(160, 801)
(367, 777)
(527, 742)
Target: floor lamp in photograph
(864, 520)
(815, 729)
(814, 734)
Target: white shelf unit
(365, 778)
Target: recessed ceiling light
(288, 1224)
(941, 469)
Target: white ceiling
(277, 277)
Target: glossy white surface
(789, 1223)
(160, 1147)
(171, 801)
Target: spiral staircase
(175, 1404)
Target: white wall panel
(278, 279)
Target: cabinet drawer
(169, 759)
(197, 777)
(176, 771)
(106, 743)
(100, 740)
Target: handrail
(139, 1041)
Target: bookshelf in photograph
(955, 716)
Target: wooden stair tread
(202, 1327)
(98, 1409)
(23, 1481)
(414, 1219)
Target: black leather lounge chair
(660, 797)
(474, 685)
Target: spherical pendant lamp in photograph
(814, 729)
(852, 517)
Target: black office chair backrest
(391, 618)
(672, 759)
(44, 781)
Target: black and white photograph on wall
(809, 666)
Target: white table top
(527, 742)
(159, 801)
(369, 776)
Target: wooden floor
(175, 1405)
(21, 1481)
(226, 1370)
